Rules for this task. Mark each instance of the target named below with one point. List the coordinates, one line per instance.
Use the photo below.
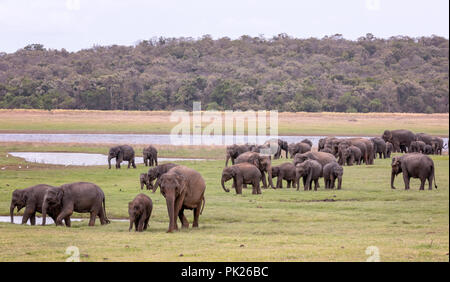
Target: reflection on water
(79, 159)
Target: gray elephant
(379, 147)
(242, 173)
(426, 138)
(399, 137)
(150, 155)
(298, 148)
(278, 144)
(326, 150)
(369, 156)
(325, 143)
(437, 144)
(156, 172)
(349, 155)
(263, 163)
(322, 157)
(285, 171)
(389, 149)
(331, 172)
(144, 180)
(121, 153)
(310, 170)
(414, 165)
(417, 147)
(364, 145)
(139, 211)
(428, 150)
(31, 199)
(81, 197)
(307, 141)
(183, 188)
(233, 151)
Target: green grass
(279, 225)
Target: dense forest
(399, 74)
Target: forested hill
(399, 74)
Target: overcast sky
(78, 24)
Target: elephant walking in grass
(331, 172)
(150, 156)
(310, 170)
(121, 153)
(399, 137)
(263, 163)
(243, 173)
(31, 199)
(285, 171)
(183, 188)
(414, 165)
(139, 211)
(81, 197)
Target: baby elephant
(310, 170)
(285, 171)
(243, 173)
(144, 179)
(331, 171)
(140, 210)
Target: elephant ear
(24, 197)
(234, 171)
(59, 195)
(180, 183)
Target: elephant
(326, 150)
(121, 153)
(31, 198)
(417, 146)
(285, 171)
(437, 144)
(369, 154)
(78, 197)
(363, 144)
(349, 155)
(183, 188)
(281, 146)
(300, 147)
(263, 163)
(331, 172)
(414, 165)
(399, 137)
(310, 170)
(139, 211)
(233, 151)
(424, 138)
(389, 149)
(307, 141)
(379, 147)
(242, 173)
(325, 143)
(156, 172)
(322, 157)
(428, 150)
(150, 155)
(144, 180)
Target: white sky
(78, 24)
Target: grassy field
(370, 124)
(279, 225)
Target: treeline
(399, 74)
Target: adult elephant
(81, 197)
(31, 199)
(263, 163)
(369, 155)
(243, 173)
(121, 153)
(321, 157)
(416, 166)
(285, 171)
(183, 188)
(233, 151)
(379, 147)
(399, 137)
(297, 148)
(307, 141)
(156, 172)
(424, 138)
(150, 155)
(282, 146)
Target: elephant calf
(310, 170)
(79, 197)
(414, 165)
(331, 172)
(144, 180)
(150, 156)
(243, 173)
(285, 171)
(140, 210)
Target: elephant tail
(104, 211)
(203, 204)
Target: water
(80, 159)
(18, 220)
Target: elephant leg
(258, 188)
(92, 218)
(288, 183)
(146, 222)
(133, 163)
(142, 221)
(136, 224)
(183, 219)
(196, 215)
(129, 163)
(64, 213)
(422, 183)
(33, 219)
(67, 221)
(27, 214)
(238, 186)
(406, 179)
(305, 187)
(102, 216)
(254, 191)
(332, 181)
(316, 184)
(263, 178)
(279, 182)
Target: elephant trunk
(109, 161)
(392, 179)
(11, 211)
(170, 201)
(131, 223)
(223, 185)
(228, 157)
(339, 182)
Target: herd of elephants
(184, 188)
